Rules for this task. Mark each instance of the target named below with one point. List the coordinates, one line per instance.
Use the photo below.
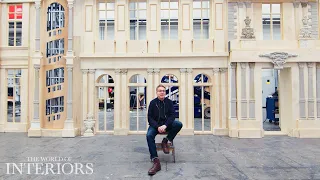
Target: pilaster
(35, 127)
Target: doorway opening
(270, 100)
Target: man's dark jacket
(154, 113)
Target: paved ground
(198, 157)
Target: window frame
(14, 87)
(137, 19)
(270, 14)
(15, 20)
(169, 20)
(201, 18)
(112, 21)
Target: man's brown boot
(164, 145)
(155, 168)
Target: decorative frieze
(183, 70)
(305, 30)
(247, 32)
(278, 58)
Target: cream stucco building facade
(86, 67)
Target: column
(91, 87)
(117, 100)
(216, 87)
(34, 130)
(252, 104)
(84, 98)
(224, 99)
(318, 90)
(234, 101)
(38, 14)
(150, 88)
(182, 94)
(189, 123)
(124, 100)
(311, 91)
(70, 26)
(242, 85)
(156, 79)
(69, 130)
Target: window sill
(14, 48)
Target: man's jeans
(172, 130)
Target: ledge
(153, 55)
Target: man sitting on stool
(161, 120)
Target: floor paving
(197, 157)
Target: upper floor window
(15, 25)
(138, 20)
(271, 21)
(106, 20)
(201, 19)
(169, 19)
(55, 16)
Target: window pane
(19, 34)
(174, 14)
(164, 30)
(143, 14)
(173, 5)
(110, 15)
(142, 5)
(276, 8)
(266, 32)
(133, 14)
(205, 29)
(19, 16)
(133, 28)
(205, 13)
(196, 29)
(11, 8)
(19, 9)
(17, 104)
(174, 30)
(11, 34)
(197, 14)
(205, 4)
(132, 6)
(142, 31)
(102, 27)
(110, 6)
(110, 30)
(11, 16)
(196, 4)
(164, 5)
(276, 27)
(265, 8)
(102, 15)
(164, 14)
(102, 6)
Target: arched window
(202, 108)
(170, 81)
(55, 16)
(138, 103)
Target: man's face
(161, 92)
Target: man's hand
(162, 129)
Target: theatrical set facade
(88, 67)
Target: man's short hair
(160, 85)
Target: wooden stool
(170, 147)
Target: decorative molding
(70, 4)
(241, 4)
(156, 70)
(85, 71)
(69, 68)
(223, 70)
(300, 65)
(189, 70)
(183, 70)
(149, 71)
(91, 71)
(305, 30)
(243, 65)
(117, 71)
(296, 4)
(278, 58)
(247, 32)
(304, 4)
(124, 71)
(233, 65)
(248, 4)
(215, 71)
(36, 66)
(251, 65)
(37, 4)
(310, 64)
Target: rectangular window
(201, 9)
(15, 24)
(106, 20)
(14, 97)
(54, 105)
(169, 19)
(138, 20)
(54, 76)
(271, 21)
